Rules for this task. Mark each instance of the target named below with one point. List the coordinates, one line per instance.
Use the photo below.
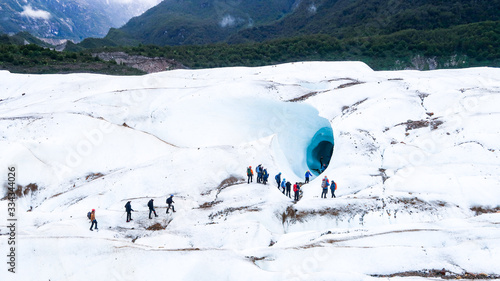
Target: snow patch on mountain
(28, 11)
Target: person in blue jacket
(308, 174)
(259, 173)
(278, 179)
(283, 185)
(265, 176)
(323, 168)
(333, 187)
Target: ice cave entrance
(320, 150)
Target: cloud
(36, 14)
(227, 20)
(312, 9)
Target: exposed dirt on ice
(389, 206)
(433, 123)
(227, 211)
(441, 273)
(21, 191)
(479, 210)
(230, 181)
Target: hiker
(258, 170)
(296, 189)
(169, 202)
(321, 161)
(296, 186)
(94, 221)
(249, 174)
(308, 174)
(265, 176)
(323, 168)
(283, 185)
(151, 208)
(324, 184)
(278, 179)
(128, 209)
(288, 189)
(333, 187)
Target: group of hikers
(285, 186)
(325, 183)
(262, 174)
(129, 210)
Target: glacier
(414, 154)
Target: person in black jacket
(128, 209)
(169, 202)
(288, 188)
(151, 208)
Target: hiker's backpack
(89, 214)
(324, 183)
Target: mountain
(416, 160)
(180, 22)
(22, 38)
(201, 21)
(350, 18)
(69, 19)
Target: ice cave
(320, 149)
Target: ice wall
(299, 134)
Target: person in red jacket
(288, 191)
(296, 189)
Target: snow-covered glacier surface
(415, 156)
